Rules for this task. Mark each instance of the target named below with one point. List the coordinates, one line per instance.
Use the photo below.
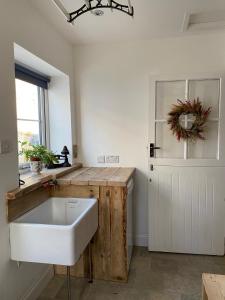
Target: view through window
(29, 114)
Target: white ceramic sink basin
(55, 232)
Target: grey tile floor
(153, 276)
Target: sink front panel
(56, 232)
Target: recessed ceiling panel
(205, 20)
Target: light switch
(112, 159)
(4, 146)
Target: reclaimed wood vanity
(112, 243)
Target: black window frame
(41, 81)
(31, 76)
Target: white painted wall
(113, 90)
(21, 24)
(59, 114)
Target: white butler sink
(55, 232)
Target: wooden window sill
(33, 182)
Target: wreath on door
(193, 128)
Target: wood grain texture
(98, 177)
(109, 247)
(75, 191)
(213, 287)
(20, 206)
(85, 177)
(102, 246)
(34, 182)
(103, 177)
(110, 242)
(67, 179)
(118, 236)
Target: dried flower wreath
(186, 107)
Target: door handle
(152, 149)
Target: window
(31, 109)
(208, 91)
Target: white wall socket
(101, 159)
(4, 146)
(112, 159)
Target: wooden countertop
(33, 182)
(98, 176)
(75, 175)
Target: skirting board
(141, 240)
(37, 288)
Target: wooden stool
(213, 287)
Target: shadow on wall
(140, 208)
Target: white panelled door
(187, 179)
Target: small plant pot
(36, 166)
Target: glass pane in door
(170, 147)
(167, 93)
(208, 148)
(208, 92)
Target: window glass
(27, 100)
(29, 111)
(28, 131)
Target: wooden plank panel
(67, 179)
(34, 182)
(121, 177)
(20, 206)
(103, 177)
(85, 177)
(59, 172)
(110, 247)
(118, 240)
(76, 191)
(102, 245)
(213, 286)
(98, 176)
(31, 185)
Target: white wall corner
(141, 240)
(38, 286)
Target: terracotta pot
(36, 166)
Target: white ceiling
(153, 18)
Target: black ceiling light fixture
(96, 7)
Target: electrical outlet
(112, 159)
(4, 146)
(101, 159)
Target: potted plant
(37, 155)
